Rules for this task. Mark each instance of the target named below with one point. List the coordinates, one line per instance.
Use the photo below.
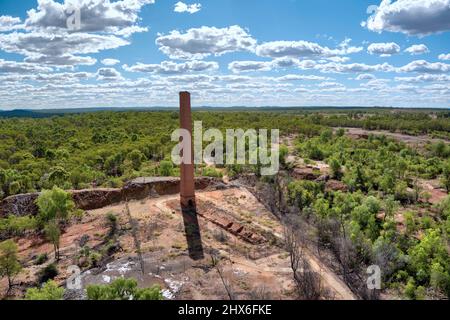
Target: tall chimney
(187, 186)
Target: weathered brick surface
(223, 219)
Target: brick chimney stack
(187, 186)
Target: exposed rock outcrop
(96, 198)
(90, 199)
(20, 205)
(305, 174)
(334, 185)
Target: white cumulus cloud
(198, 43)
(383, 49)
(8, 23)
(249, 66)
(170, 67)
(422, 66)
(412, 17)
(58, 49)
(21, 67)
(95, 15)
(47, 39)
(110, 62)
(108, 74)
(417, 49)
(181, 7)
(280, 49)
(354, 67)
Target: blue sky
(230, 52)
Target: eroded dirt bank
(140, 188)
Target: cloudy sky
(134, 53)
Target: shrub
(220, 236)
(410, 289)
(429, 256)
(48, 273)
(9, 263)
(123, 289)
(41, 259)
(336, 170)
(94, 259)
(211, 172)
(136, 157)
(54, 204)
(111, 219)
(13, 226)
(166, 168)
(114, 183)
(53, 234)
(49, 291)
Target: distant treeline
(107, 148)
(45, 113)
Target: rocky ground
(152, 244)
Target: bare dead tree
(215, 262)
(308, 283)
(135, 233)
(260, 293)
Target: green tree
(390, 206)
(284, 151)
(314, 152)
(326, 135)
(414, 293)
(446, 176)
(136, 157)
(440, 278)
(54, 204)
(53, 234)
(340, 132)
(111, 219)
(113, 165)
(9, 262)
(49, 291)
(58, 176)
(13, 226)
(439, 149)
(427, 254)
(123, 289)
(336, 169)
(302, 193)
(166, 168)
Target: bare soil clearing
(421, 139)
(253, 269)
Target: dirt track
(423, 139)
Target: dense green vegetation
(119, 289)
(123, 289)
(49, 291)
(362, 226)
(384, 217)
(108, 148)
